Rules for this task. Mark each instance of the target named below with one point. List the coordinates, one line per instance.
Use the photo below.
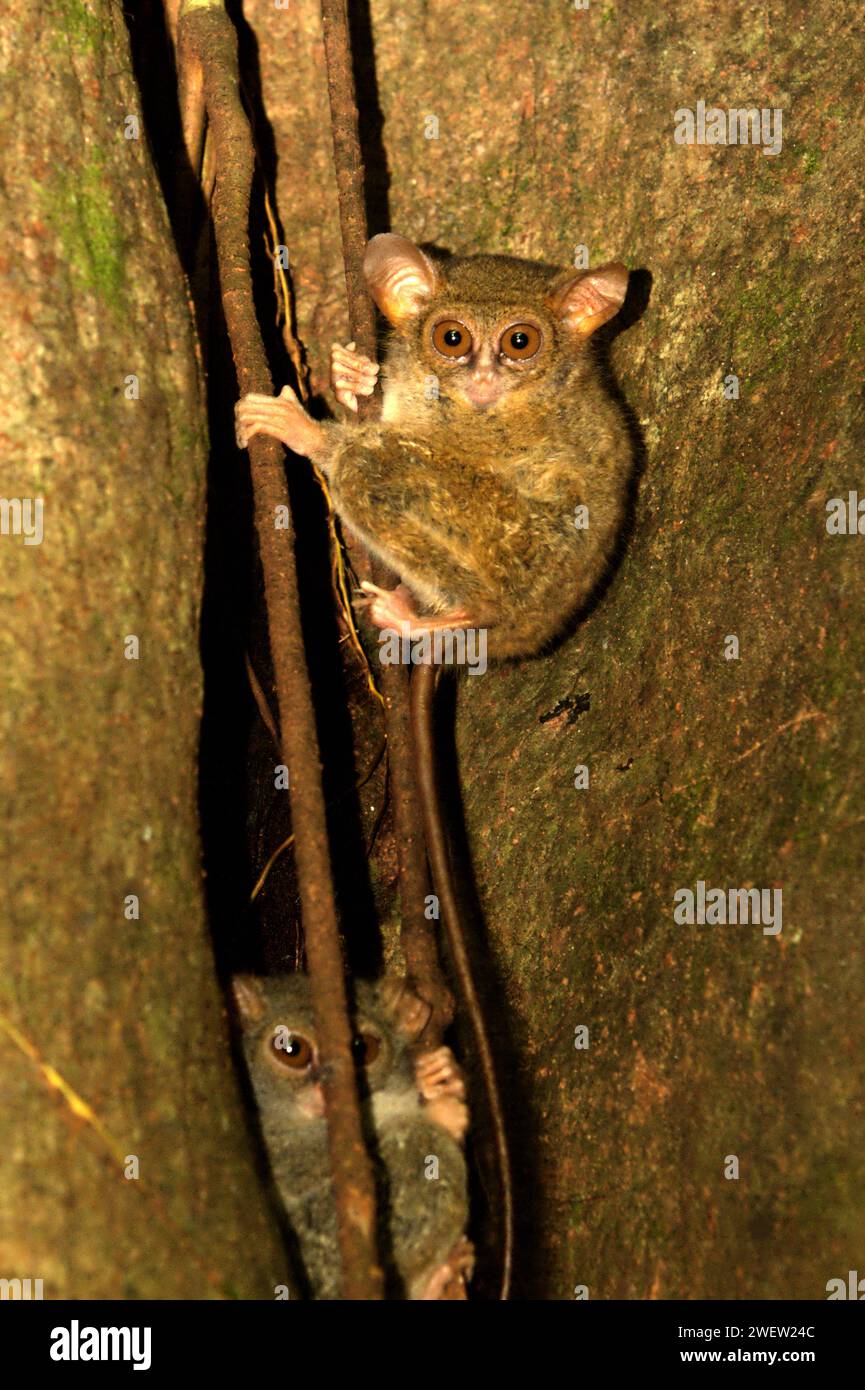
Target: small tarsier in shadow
(416, 1115)
(494, 483)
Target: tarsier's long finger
(282, 417)
(433, 1092)
(353, 385)
(259, 398)
(372, 591)
(343, 375)
(351, 375)
(345, 397)
(353, 381)
(441, 1059)
(433, 1087)
(444, 1074)
(447, 1283)
(352, 363)
(256, 415)
(277, 405)
(246, 429)
(446, 1081)
(244, 432)
(266, 417)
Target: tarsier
(414, 1105)
(494, 482)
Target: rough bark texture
(556, 130)
(98, 753)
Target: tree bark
(555, 131)
(112, 1031)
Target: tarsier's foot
(393, 608)
(442, 1087)
(388, 607)
(351, 374)
(448, 1282)
(281, 417)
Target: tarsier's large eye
(291, 1050)
(366, 1047)
(451, 338)
(520, 341)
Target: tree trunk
(536, 130)
(112, 1034)
(554, 129)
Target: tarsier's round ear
(587, 300)
(248, 997)
(400, 277)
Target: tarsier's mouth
(483, 396)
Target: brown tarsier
(496, 432)
(414, 1105)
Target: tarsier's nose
(312, 1101)
(484, 363)
(484, 385)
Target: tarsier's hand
(351, 374)
(281, 417)
(441, 1085)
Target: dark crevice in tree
(243, 817)
(370, 118)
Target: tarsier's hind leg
(394, 608)
(420, 509)
(447, 1283)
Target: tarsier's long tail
(423, 687)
